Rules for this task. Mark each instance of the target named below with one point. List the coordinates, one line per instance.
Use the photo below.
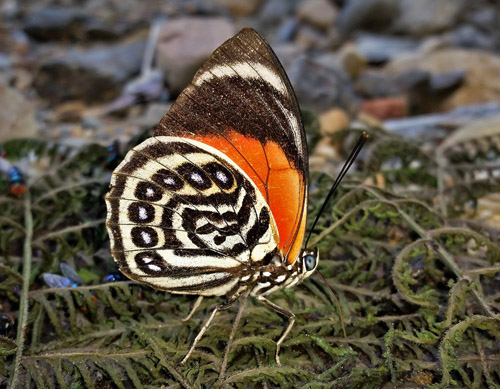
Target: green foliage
(418, 291)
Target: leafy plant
(418, 291)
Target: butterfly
(215, 202)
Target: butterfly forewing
(183, 217)
(241, 103)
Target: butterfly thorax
(279, 274)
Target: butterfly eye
(310, 262)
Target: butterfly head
(308, 262)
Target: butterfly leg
(218, 308)
(291, 322)
(195, 307)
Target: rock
(308, 37)
(152, 115)
(275, 11)
(468, 36)
(386, 107)
(485, 17)
(378, 49)
(481, 83)
(353, 62)
(184, 45)
(319, 82)
(434, 125)
(333, 120)
(445, 81)
(368, 14)
(423, 17)
(74, 24)
(286, 31)
(240, 7)
(320, 14)
(71, 111)
(374, 84)
(56, 23)
(17, 115)
(94, 75)
(6, 70)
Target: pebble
(17, 115)
(240, 7)
(308, 37)
(56, 23)
(379, 49)
(468, 36)
(185, 43)
(353, 62)
(320, 14)
(333, 120)
(368, 14)
(481, 83)
(319, 82)
(71, 111)
(424, 125)
(422, 17)
(93, 75)
(386, 107)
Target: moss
(419, 298)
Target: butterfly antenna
(348, 163)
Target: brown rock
(481, 84)
(308, 37)
(17, 115)
(386, 107)
(185, 43)
(318, 13)
(241, 7)
(91, 75)
(333, 120)
(72, 111)
(353, 62)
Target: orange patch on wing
(284, 191)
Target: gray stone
(423, 17)
(94, 75)
(74, 24)
(319, 82)
(368, 14)
(425, 125)
(56, 23)
(286, 31)
(321, 14)
(373, 84)
(185, 44)
(378, 49)
(471, 37)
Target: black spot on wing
(148, 191)
(141, 212)
(144, 236)
(151, 263)
(168, 180)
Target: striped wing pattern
(184, 218)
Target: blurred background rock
(85, 71)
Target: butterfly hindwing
(183, 217)
(241, 102)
